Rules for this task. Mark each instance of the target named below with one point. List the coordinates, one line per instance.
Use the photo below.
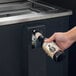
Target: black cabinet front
(18, 58)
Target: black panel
(70, 4)
(17, 58)
(11, 50)
(37, 59)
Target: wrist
(71, 34)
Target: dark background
(71, 4)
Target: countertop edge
(22, 18)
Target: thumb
(50, 38)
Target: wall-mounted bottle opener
(51, 49)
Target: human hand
(63, 40)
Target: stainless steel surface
(14, 6)
(30, 17)
(28, 11)
(6, 1)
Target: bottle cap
(58, 56)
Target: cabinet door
(11, 50)
(37, 59)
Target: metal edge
(22, 18)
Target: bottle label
(50, 48)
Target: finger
(61, 46)
(50, 38)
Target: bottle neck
(41, 39)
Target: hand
(63, 40)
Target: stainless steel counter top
(31, 16)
